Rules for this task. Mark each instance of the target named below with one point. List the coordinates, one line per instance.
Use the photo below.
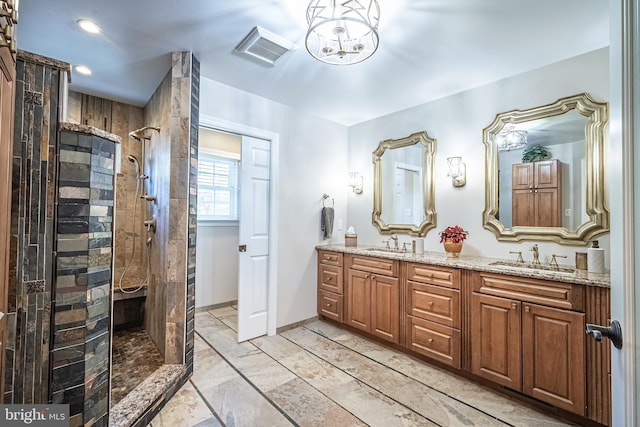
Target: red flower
(456, 234)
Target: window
(218, 187)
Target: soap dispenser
(595, 258)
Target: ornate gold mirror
(403, 196)
(556, 197)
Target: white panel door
(253, 263)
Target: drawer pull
(329, 279)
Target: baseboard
(215, 306)
(281, 329)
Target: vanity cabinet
(433, 314)
(528, 335)
(373, 296)
(536, 196)
(330, 284)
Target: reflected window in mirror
(559, 196)
(403, 200)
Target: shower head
(139, 135)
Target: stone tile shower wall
(38, 93)
(82, 305)
(119, 119)
(172, 166)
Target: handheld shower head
(134, 160)
(139, 135)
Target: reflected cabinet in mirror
(545, 172)
(403, 196)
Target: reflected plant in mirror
(545, 172)
(403, 197)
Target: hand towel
(326, 222)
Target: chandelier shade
(512, 140)
(342, 32)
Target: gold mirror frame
(597, 114)
(428, 185)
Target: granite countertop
(478, 264)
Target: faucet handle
(404, 246)
(386, 242)
(520, 259)
(554, 261)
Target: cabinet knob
(430, 303)
(527, 308)
(430, 340)
(329, 279)
(514, 305)
(329, 304)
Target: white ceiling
(428, 49)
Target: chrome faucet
(536, 254)
(395, 242)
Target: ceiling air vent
(264, 46)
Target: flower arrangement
(456, 234)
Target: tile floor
(321, 375)
(135, 357)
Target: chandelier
(512, 140)
(342, 32)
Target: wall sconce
(355, 182)
(457, 171)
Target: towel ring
(324, 198)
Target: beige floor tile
(185, 408)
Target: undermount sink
(389, 250)
(556, 269)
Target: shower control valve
(149, 198)
(150, 224)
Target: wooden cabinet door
(385, 307)
(7, 94)
(496, 349)
(359, 300)
(546, 174)
(522, 207)
(522, 176)
(547, 208)
(554, 356)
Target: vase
(452, 248)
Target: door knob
(242, 248)
(613, 332)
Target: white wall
(216, 265)
(312, 161)
(457, 122)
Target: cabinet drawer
(387, 267)
(440, 276)
(438, 342)
(330, 305)
(330, 278)
(330, 258)
(554, 294)
(440, 305)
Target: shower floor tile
(135, 357)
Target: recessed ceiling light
(83, 69)
(88, 26)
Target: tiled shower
(72, 236)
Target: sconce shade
(355, 182)
(342, 32)
(457, 171)
(512, 140)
